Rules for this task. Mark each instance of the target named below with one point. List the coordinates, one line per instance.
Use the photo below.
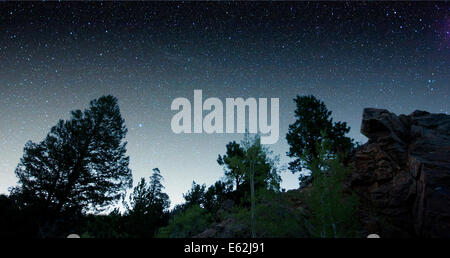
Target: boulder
(402, 174)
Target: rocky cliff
(401, 177)
(402, 174)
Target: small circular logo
(373, 236)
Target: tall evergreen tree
(147, 208)
(305, 134)
(195, 196)
(80, 165)
(147, 197)
(234, 172)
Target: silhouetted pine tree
(195, 196)
(305, 134)
(234, 174)
(147, 208)
(80, 165)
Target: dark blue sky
(56, 57)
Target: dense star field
(56, 57)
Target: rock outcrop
(402, 174)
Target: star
(351, 55)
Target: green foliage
(249, 156)
(256, 169)
(210, 198)
(274, 217)
(215, 195)
(332, 213)
(304, 135)
(195, 196)
(105, 226)
(234, 172)
(147, 198)
(147, 209)
(188, 223)
(81, 166)
(259, 164)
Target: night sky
(56, 57)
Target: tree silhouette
(215, 195)
(305, 134)
(259, 164)
(147, 197)
(209, 198)
(80, 165)
(248, 156)
(233, 172)
(147, 207)
(195, 196)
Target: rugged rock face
(402, 174)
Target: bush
(274, 217)
(105, 226)
(187, 224)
